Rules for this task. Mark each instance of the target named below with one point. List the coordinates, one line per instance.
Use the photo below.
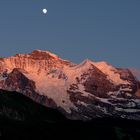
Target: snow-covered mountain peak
(75, 89)
(84, 64)
(43, 54)
(38, 61)
(111, 72)
(136, 72)
(87, 62)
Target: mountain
(136, 72)
(22, 118)
(80, 91)
(17, 107)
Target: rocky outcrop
(17, 81)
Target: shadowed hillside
(16, 106)
(22, 118)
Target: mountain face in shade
(17, 107)
(136, 72)
(80, 91)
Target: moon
(45, 11)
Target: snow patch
(111, 73)
(53, 88)
(127, 110)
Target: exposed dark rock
(97, 83)
(85, 90)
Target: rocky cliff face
(80, 91)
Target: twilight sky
(106, 30)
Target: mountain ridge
(80, 91)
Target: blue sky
(101, 30)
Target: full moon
(45, 11)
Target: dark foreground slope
(16, 106)
(21, 118)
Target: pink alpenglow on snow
(80, 91)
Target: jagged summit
(35, 61)
(38, 54)
(43, 54)
(80, 91)
(87, 63)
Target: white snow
(111, 73)
(127, 110)
(82, 103)
(82, 90)
(47, 82)
(125, 89)
(102, 109)
(107, 69)
(53, 88)
(104, 100)
(47, 52)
